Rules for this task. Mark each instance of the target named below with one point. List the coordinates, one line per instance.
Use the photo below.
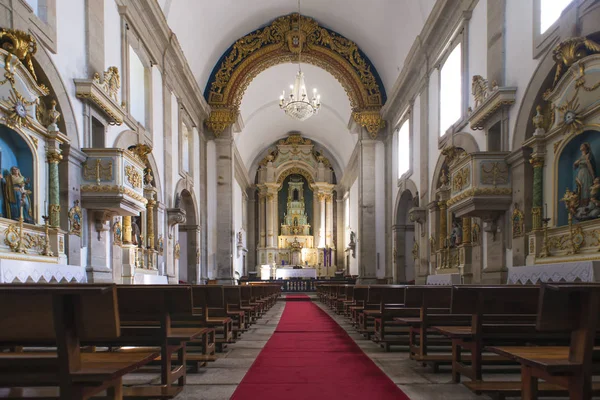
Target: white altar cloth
(443, 279)
(29, 271)
(286, 273)
(147, 279)
(584, 271)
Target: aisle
(311, 357)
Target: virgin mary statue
(16, 195)
(585, 168)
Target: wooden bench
(233, 303)
(63, 316)
(249, 301)
(498, 315)
(149, 317)
(222, 325)
(572, 309)
(389, 331)
(217, 307)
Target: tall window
(137, 87)
(403, 148)
(550, 11)
(185, 148)
(451, 90)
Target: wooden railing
(305, 285)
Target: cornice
(161, 43)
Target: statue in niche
(16, 195)
(136, 234)
(585, 168)
(416, 200)
(455, 235)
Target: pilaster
(225, 178)
(367, 228)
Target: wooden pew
(222, 325)
(249, 301)
(433, 303)
(374, 306)
(574, 310)
(388, 331)
(217, 307)
(498, 315)
(360, 296)
(233, 303)
(63, 317)
(149, 315)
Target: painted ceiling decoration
(281, 42)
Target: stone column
(251, 239)
(269, 211)
(341, 228)
(367, 228)
(71, 172)
(261, 220)
(225, 178)
(322, 232)
(538, 191)
(329, 221)
(434, 216)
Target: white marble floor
(219, 379)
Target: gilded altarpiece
(295, 207)
(566, 157)
(32, 243)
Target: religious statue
(518, 222)
(75, 217)
(456, 235)
(136, 235)
(16, 196)
(585, 168)
(538, 119)
(415, 249)
(416, 200)
(161, 245)
(117, 233)
(444, 178)
(475, 232)
(352, 237)
(571, 200)
(177, 251)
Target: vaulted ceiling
(383, 29)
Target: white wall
(70, 59)
(158, 127)
(238, 224)
(520, 64)
(416, 144)
(174, 139)
(354, 225)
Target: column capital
(54, 156)
(537, 160)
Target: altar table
(286, 273)
(584, 271)
(443, 279)
(30, 271)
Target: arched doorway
(404, 239)
(189, 244)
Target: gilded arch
(280, 42)
(295, 170)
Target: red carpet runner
(311, 357)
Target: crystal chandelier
(298, 105)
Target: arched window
(451, 90)
(404, 148)
(550, 11)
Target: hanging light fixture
(298, 105)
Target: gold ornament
(21, 44)
(75, 218)
(133, 176)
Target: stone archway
(404, 235)
(281, 42)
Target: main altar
(295, 211)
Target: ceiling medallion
(298, 106)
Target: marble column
(262, 220)
(270, 233)
(54, 157)
(538, 191)
(225, 178)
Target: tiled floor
(219, 379)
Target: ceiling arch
(281, 42)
